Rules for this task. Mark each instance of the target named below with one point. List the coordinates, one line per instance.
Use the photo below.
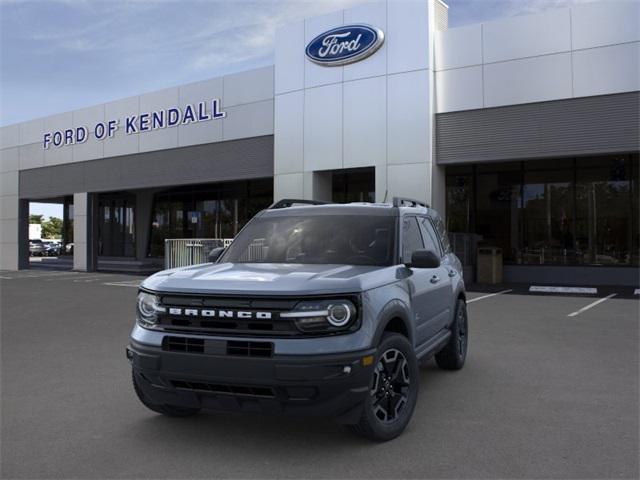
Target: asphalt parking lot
(544, 394)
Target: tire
(168, 410)
(393, 390)
(454, 353)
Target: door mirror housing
(424, 259)
(215, 253)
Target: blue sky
(60, 55)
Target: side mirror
(215, 253)
(424, 259)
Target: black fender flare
(393, 309)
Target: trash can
(489, 265)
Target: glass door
(116, 225)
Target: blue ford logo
(343, 45)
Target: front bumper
(332, 385)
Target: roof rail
(290, 202)
(408, 202)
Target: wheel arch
(395, 317)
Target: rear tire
(393, 390)
(168, 410)
(454, 353)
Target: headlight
(148, 307)
(323, 316)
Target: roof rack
(408, 202)
(290, 202)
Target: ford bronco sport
(314, 309)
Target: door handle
(435, 279)
(452, 273)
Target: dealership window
(354, 185)
(116, 225)
(216, 210)
(568, 211)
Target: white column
(81, 233)
(9, 231)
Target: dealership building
(523, 132)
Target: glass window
(442, 234)
(569, 211)
(460, 200)
(498, 207)
(116, 225)
(429, 236)
(548, 218)
(411, 238)
(604, 209)
(316, 239)
(216, 211)
(354, 185)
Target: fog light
(368, 360)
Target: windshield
(332, 239)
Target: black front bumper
(310, 385)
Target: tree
(36, 219)
(52, 228)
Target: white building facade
(522, 131)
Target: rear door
(422, 288)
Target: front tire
(168, 410)
(454, 353)
(393, 390)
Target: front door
(429, 287)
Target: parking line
(488, 296)
(6, 278)
(591, 305)
(130, 283)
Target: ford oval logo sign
(343, 45)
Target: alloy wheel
(391, 383)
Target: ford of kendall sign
(343, 45)
(139, 123)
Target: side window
(411, 238)
(429, 235)
(444, 237)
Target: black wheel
(453, 355)
(169, 410)
(393, 391)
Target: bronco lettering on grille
(214, 313)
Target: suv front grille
(217, 347)
(244, 390)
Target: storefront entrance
(116, 225)
(570, 211)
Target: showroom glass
(316, 239)
(354, 185)
(575, 211)
(216, 210)
(116, 225)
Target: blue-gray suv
(314, 309)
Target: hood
(270, 279)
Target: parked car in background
(53, 249)
(37, 248)
(68, 248)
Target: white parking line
(89, 279)
(48, 274)
(488, 296)
(548, 289)
(130, 283)
(591, 305)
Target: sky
(61, 55)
